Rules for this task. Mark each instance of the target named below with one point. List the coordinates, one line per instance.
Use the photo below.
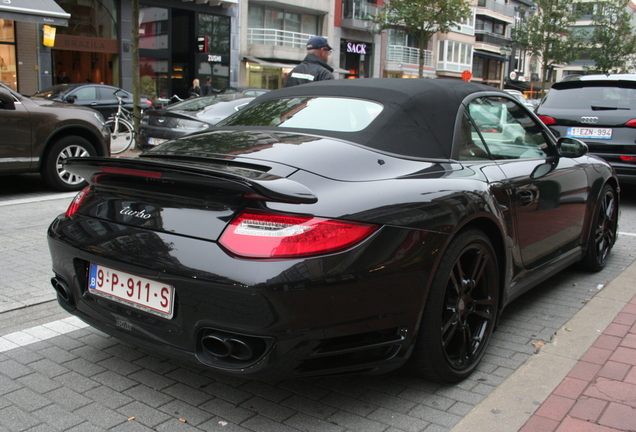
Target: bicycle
(121, 127)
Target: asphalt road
(58, 374)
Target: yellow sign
(48, 38)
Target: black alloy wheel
(602, 232)
(460, 313)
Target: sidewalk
(584, 381)
(599, 393)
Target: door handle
(525, 197)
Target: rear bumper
(356, 311)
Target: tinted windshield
(597, 97)
(52, 92)
(197, 104)
(320, 113)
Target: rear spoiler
(243, 177)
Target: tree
(612, 42)
(545, 31)
(136, 84)
(423, 18)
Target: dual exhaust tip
(231, 349)
(64, 293)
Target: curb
(511, 404)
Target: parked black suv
(37, 135)
(599, 110)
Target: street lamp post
(505, 53)
(373, 27)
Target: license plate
(145, 294)
(156, 141)
(597, 133)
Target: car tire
(602, 231)
(460, 312)
(52, 168)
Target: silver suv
(599, 110)
(37, 135)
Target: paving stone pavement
(58, 374)
(599, 393)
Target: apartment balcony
(262, 36)
(274, 43)
(496, 10)
(407, 60)
(486, 41)
(408, 55)
(356, 14)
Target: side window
(86, 93)
(471, 147)
(507, 129)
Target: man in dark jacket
(206, 88)
(314, 67)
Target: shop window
(154, 78)
(8, 75)
(153, 28)
(264, 77)
(217, 30)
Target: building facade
(252, 43)
(178, 42)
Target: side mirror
(70, 99)
(6, 100)
(571, 147)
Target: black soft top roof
(418, 118)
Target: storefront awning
(224, 3)
(268, 63)
(493, 57)
(37, 11)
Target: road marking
(38, 199)
(40, 333)
(627, 234)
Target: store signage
(358, 48)
(81, 43)
(202, 44)
(214, 58)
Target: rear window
(597, 97)
(319, 113)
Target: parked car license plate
(146, 294)
(156, 141)
(597, 133)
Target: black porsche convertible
(345, 226)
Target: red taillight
(256, 234)
(631, 123)
(626, 158)
(77, 201)
(547, 120)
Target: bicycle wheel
(122, 137)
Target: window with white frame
(402, 38)
(467, 26)
(454, 56)
(260, 17)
